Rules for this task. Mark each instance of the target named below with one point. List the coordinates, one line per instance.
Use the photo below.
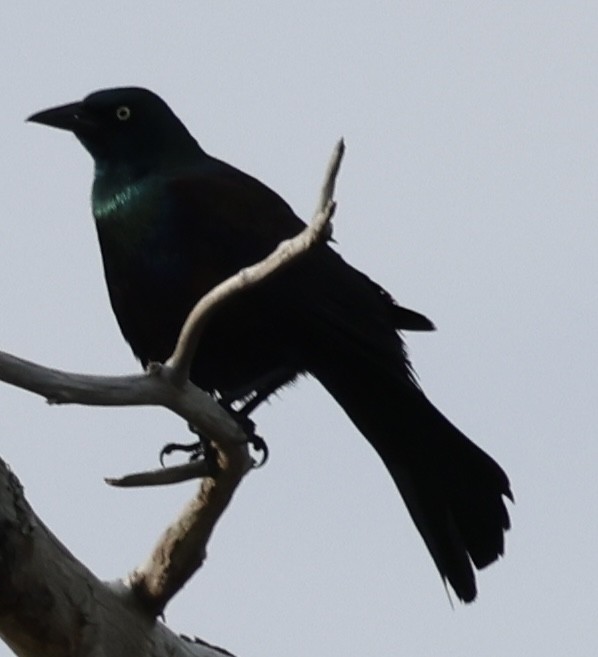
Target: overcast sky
(469, 190)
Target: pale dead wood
(182, 548)
(64, 610)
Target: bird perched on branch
(173, 222)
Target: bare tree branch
(152, 388)
(182, 548)
(65, 610)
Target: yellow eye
(123, 113)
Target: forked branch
(181, 549)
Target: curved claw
(248, 426)
(196, 450)
(260, 445)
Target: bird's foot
(200, 449)
(248, 425)
(203, 449)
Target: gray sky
(468, 190)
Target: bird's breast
(155, 276)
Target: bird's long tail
(453, 490)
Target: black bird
(173, 222)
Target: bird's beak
(66, 117)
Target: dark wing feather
(232, 220)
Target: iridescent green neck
(125, 218)
(109, 205)
(116, 191)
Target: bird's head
(125, 126)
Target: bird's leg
(203, 448)
(256, 392)
(248, 426)
(249, 397)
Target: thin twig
(327, 193)
(318, 230)
(163, 476)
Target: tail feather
(453, 490)
(438, 528)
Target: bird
(174, 221)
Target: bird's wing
(232, 220)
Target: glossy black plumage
(172, 222)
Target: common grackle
(173, 222)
